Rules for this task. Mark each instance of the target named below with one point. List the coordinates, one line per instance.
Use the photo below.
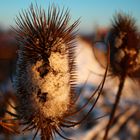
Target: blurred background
(95, 17)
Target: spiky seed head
(124, 45)
(45, 69)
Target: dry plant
(124, 55)
(46, 72)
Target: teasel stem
(118, 96)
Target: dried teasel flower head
(46, 68)
(124, 46)
(124, 56)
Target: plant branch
(122, 81)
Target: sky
(90, 12)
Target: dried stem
(122, 80)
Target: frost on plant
(46, 72)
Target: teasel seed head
(124, 46)
(46, 69)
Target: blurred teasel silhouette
(124, 41)
(46, 71)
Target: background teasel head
(124, 43)
(46, 71)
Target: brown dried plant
(124, 43)
(46, 72)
